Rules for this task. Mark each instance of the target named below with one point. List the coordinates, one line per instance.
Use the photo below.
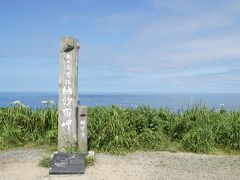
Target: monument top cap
(69, 43)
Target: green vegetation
(20, 125)
(120, 130)
(90, 161)
(45, 161)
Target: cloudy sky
(126, 45)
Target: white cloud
(175, 42)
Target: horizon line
(130, 92)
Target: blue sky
(126, 45)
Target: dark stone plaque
(63, 163)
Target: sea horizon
(172, 100)
(130, 92)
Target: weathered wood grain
(82, 129)
(68, 94)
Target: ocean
(172, 101)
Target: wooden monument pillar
(68, 94)
(72, 119)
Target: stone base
(63, 163)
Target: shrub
(118, 130)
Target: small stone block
(63, 163)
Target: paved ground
(23, 165)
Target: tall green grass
(21, 125)
(118, 130)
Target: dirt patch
(23, 165)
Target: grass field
(119, 130)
